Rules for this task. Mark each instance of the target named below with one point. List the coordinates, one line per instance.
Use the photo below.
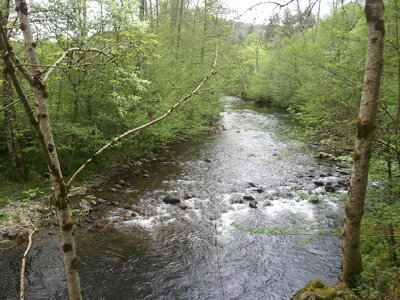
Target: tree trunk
(205, 28)
(354, 209)
(13, 144)
(178, 37)
(142, 10)
(45, 134)
(10, 115)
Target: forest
(150, 135)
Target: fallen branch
(129, 132)
(23, 265)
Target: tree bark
(45, 134)
(354, 209)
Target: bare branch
(13, 103)
(195, 91)
(23, 265)
(9, 105)
(277, 5)
(64, 55)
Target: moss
(314, 290)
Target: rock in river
(253, 204)
(248, 198)
(171, 200)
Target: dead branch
(23, 265)
(129, 132)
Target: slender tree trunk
(391, 199)
(317, 23)
(142, 10)
(45, 134)
(257, 58)
(354, 209)
(151, 10)
(205, 28)
(10, 114)
(178, 38)
(157, 13)
(174, 8)
(13, 143)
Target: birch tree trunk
(354, 209)
(49, 150)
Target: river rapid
(216, 246)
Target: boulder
(117, 186)
(169, 199)
(113, 190)
(145, 175)
(315, 290)
(319, 183)
(344, 183)
(114, 203)
(101, 201)
(121, 182)
(330, 189)
(253, 204)
(125, 166)
(189, 196)
(259, 190)
(314, 199)
(248, 198)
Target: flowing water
(218, 248)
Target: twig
(277, 4)
(22, 276)
(9, 105)
(13, 103)
(129, 132)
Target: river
(219, 247)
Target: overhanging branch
(195, 91)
